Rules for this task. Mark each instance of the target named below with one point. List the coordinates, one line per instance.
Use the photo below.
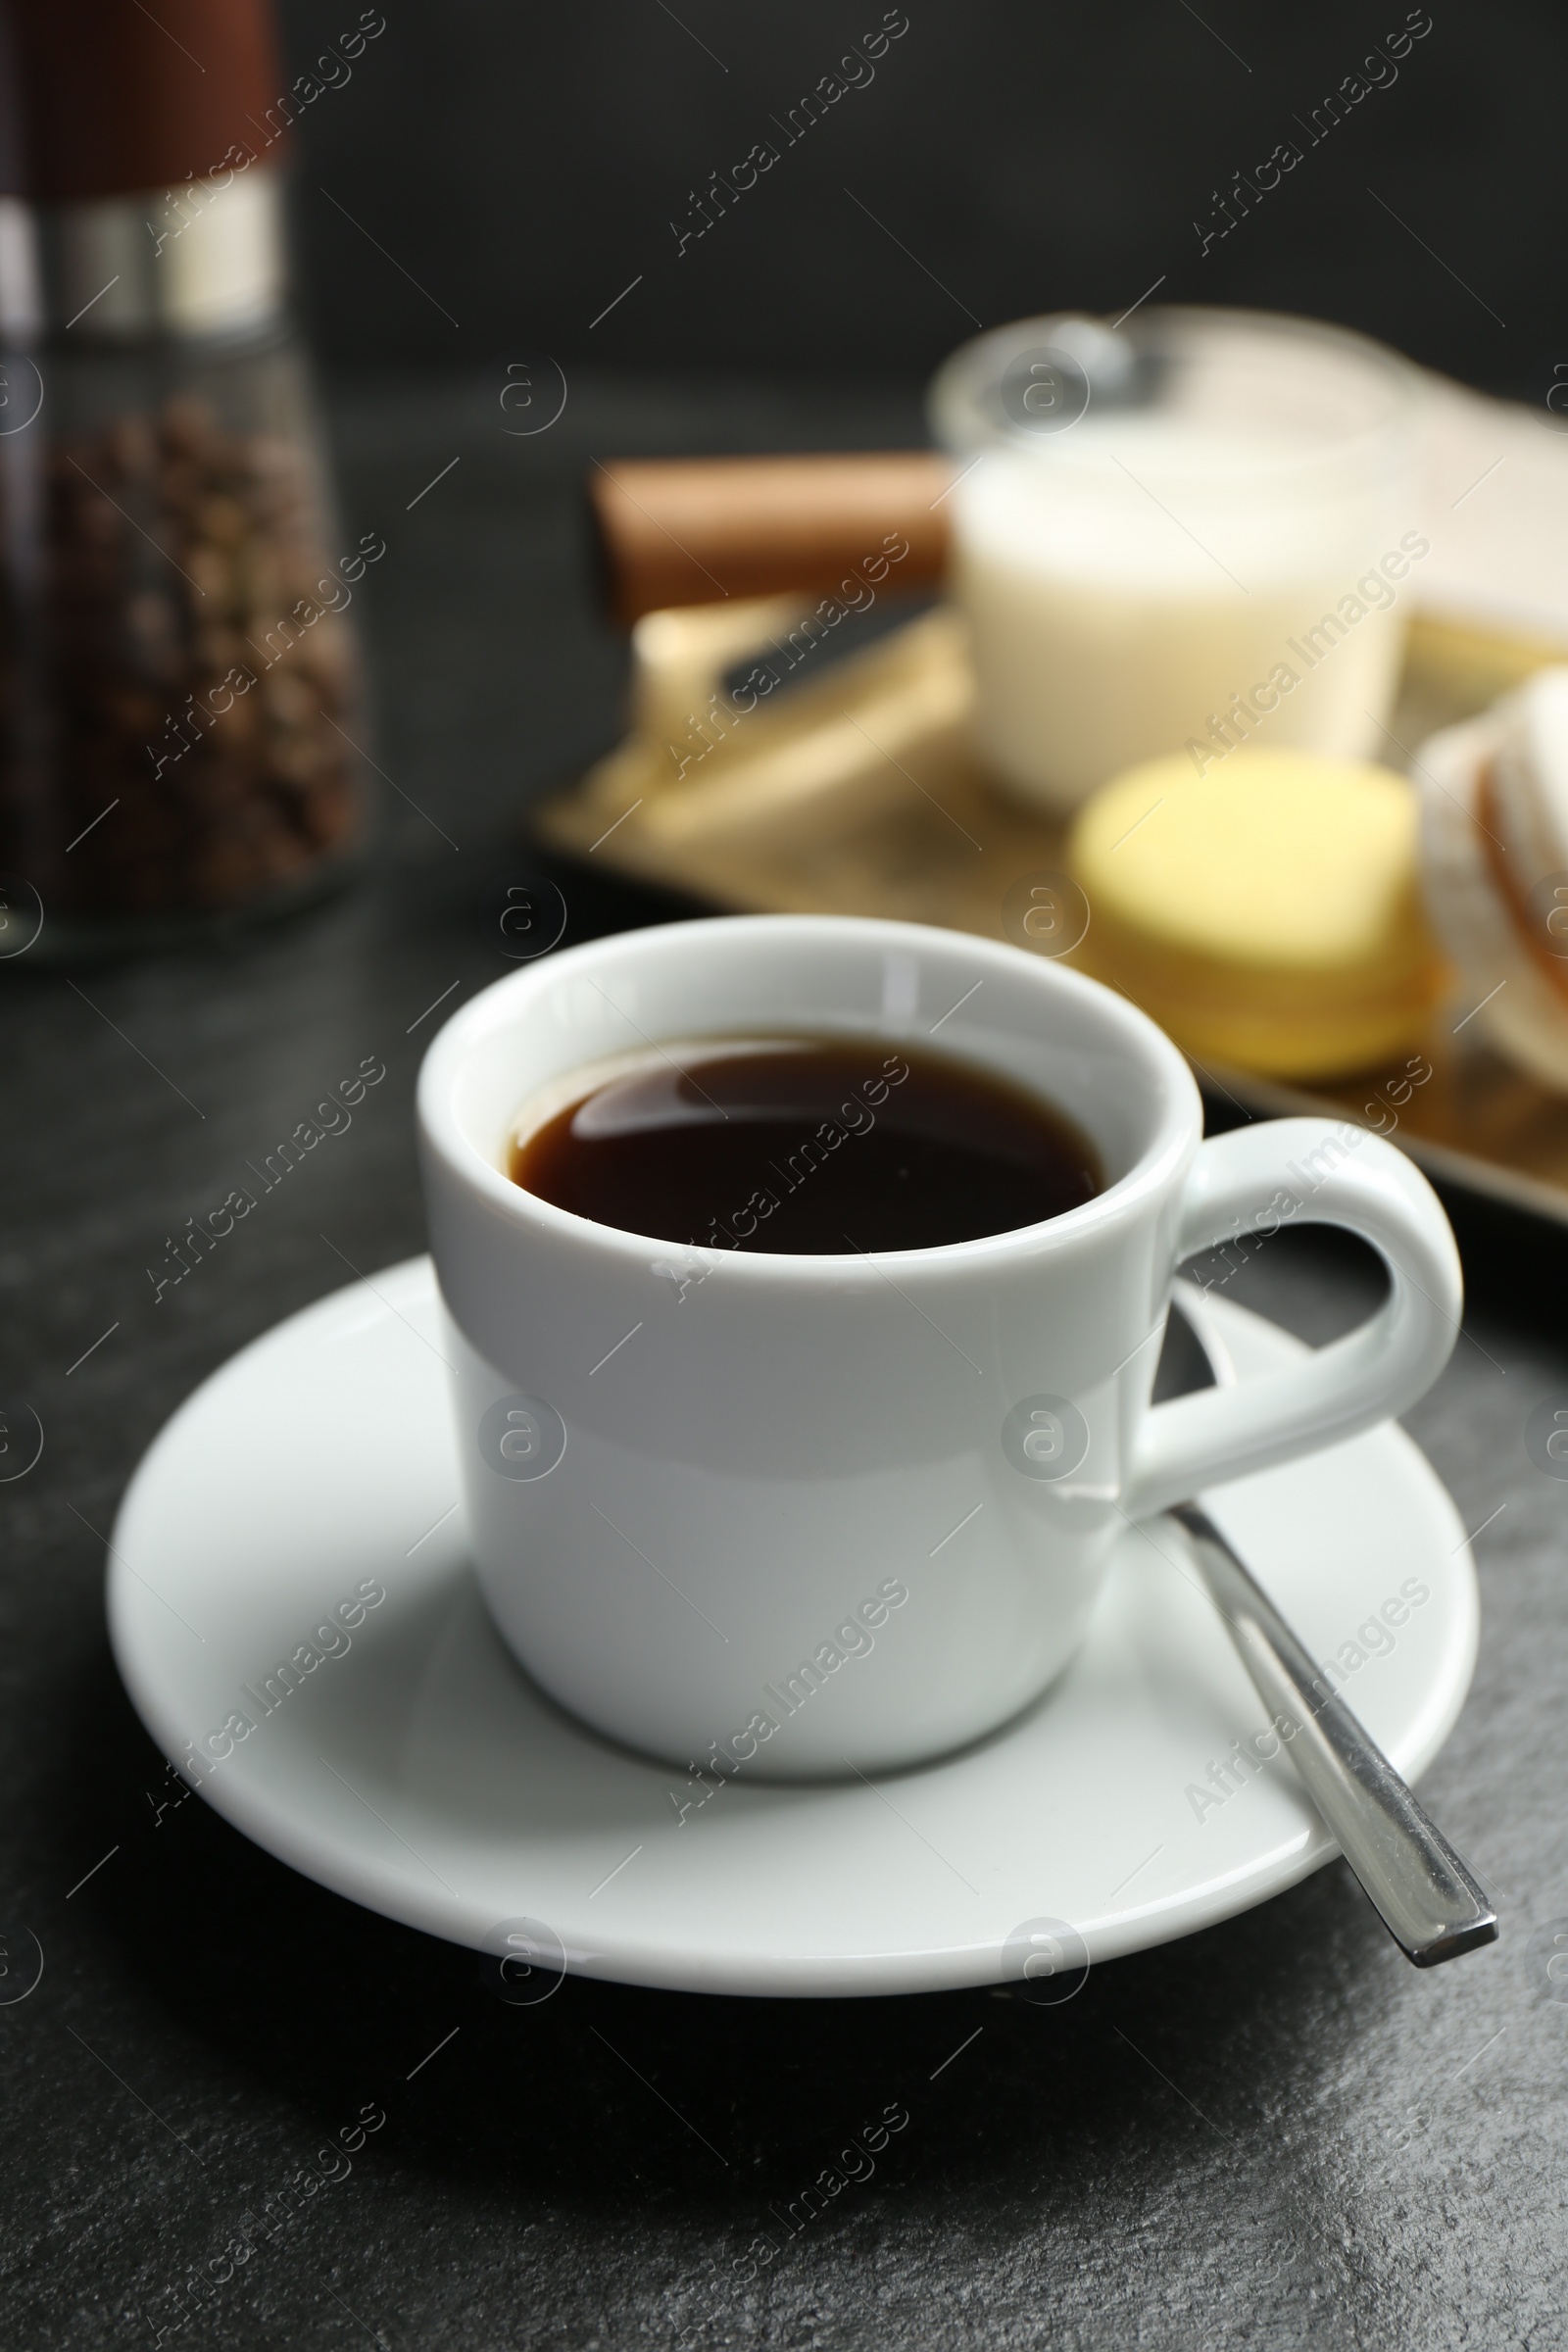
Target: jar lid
(111, 101)
(138, 168)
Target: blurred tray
(855, 791)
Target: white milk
(1132, 581)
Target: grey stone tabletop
(1273, 2133)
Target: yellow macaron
(1267, 913)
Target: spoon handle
(1423, 1892)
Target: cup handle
(1256, 1179)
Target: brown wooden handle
(696, 530)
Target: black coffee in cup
(807, 1146)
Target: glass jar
(179, 684)
(1189, 529)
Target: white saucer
(419, 1772)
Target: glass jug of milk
(1191, 530)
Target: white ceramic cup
(799, 1516)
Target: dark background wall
(523, 164)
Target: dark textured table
(1273, 2134)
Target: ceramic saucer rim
(276, 1824)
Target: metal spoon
(1422, 1891)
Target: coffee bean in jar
(179, 699)
(190, 747)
